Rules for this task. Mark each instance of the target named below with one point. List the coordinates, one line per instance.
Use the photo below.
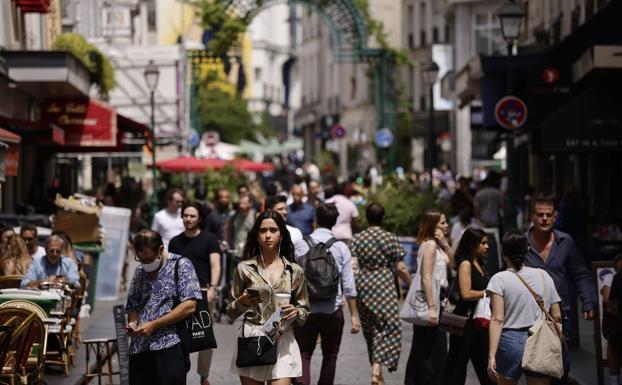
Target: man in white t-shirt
(168, 222)
(347, 221)
(278, 203)
(28, 232)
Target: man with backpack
(327, 266)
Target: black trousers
(159, 367)
(428, 355)
(473, 345)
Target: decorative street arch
(350, 37)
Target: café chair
(10, 281)
(38, 310)
(22, 359)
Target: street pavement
(352, 366)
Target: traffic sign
(193, 138)
(338, 131)
(550, 75)
(384, 138)
(511, 112)
(211, 138)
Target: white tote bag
(543, 348)
(415, 309)
(482, 314)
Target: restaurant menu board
(116, 224)
(122, 347)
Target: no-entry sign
(511, 112)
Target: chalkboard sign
(123, 351)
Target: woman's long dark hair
(470, 240)
(252, 248)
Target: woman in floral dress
(378, 254)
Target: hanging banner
(85, 122)
(11, 160)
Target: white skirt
(288, 361)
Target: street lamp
(511, 17)
(429, 73)
(152, 75)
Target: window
(487, 36)
(257, 74)
(151, 16)
(435, 38)
(422, 39)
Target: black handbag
(255, 351)
(197, 331)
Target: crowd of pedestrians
(275, 244)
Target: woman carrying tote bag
(428, 352)
(515, 311)
(264, 275)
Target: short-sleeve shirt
(154, 298)
(489, 201)
(520, 308)
(198, 250)
(347, 211)
(167, 225)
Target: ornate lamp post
(511, 16)
(429, 73)
(152, 75)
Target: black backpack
(321, 271)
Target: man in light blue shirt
(326, 319)
(52, 267)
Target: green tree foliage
(225, 112)
(404, 204)
(96, 62)
(226, 28)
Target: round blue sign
(193, 138)
(384, 138)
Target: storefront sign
(85, 122)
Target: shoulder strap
(330, 242)
(540, 302)
(309, 241)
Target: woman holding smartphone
(266, 270)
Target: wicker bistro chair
(60, 346)
(10, 281)
(23, 358)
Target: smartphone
(253, 292)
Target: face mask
(151, 267)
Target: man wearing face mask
(52, 267)
(156, 302)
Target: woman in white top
(514, 311)
(428, 352)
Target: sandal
(376, 375)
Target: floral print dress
(378, 251)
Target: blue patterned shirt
(153, 299)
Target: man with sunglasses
(52, 267)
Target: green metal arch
(348, 30)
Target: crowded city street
(331, 192)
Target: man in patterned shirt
(156, 354)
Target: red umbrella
(190, 164)
(249, 165)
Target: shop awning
(9, 137)
(591, 122)
(34, 6)
(200, 165)
(38, 132)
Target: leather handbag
(543, 348)
(255, 351)
(197, 331)
(450, 322)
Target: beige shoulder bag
(543, 348)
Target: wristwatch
(218, 288)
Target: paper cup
(281, 299)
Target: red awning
(34, 6)
(196, 165)
(87, 122)
(9, 137)
(36, 131)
